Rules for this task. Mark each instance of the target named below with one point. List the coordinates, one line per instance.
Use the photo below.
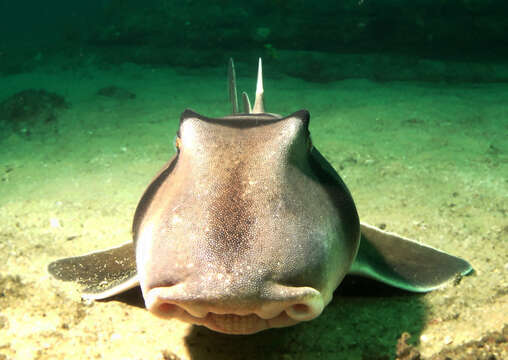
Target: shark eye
(177, 143)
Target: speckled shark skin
(248, 227)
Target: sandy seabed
(426, 160)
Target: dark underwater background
(408, 102)
(429, 40)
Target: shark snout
(236, 312)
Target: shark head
(254, 238)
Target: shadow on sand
(363, 321)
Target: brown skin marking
(231, 221)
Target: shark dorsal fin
(258, 104)
(233, 95)
(246, 103)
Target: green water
(407, 102)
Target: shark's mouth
(235, 324)
(241, 324)
(236, 318)
(226, 323)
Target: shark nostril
(300, 309)
(167, 309)
(303, 312)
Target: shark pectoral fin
(102, 273)
(404, 263)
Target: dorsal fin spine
(233, 96)
(246, 103)
(258, 103)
